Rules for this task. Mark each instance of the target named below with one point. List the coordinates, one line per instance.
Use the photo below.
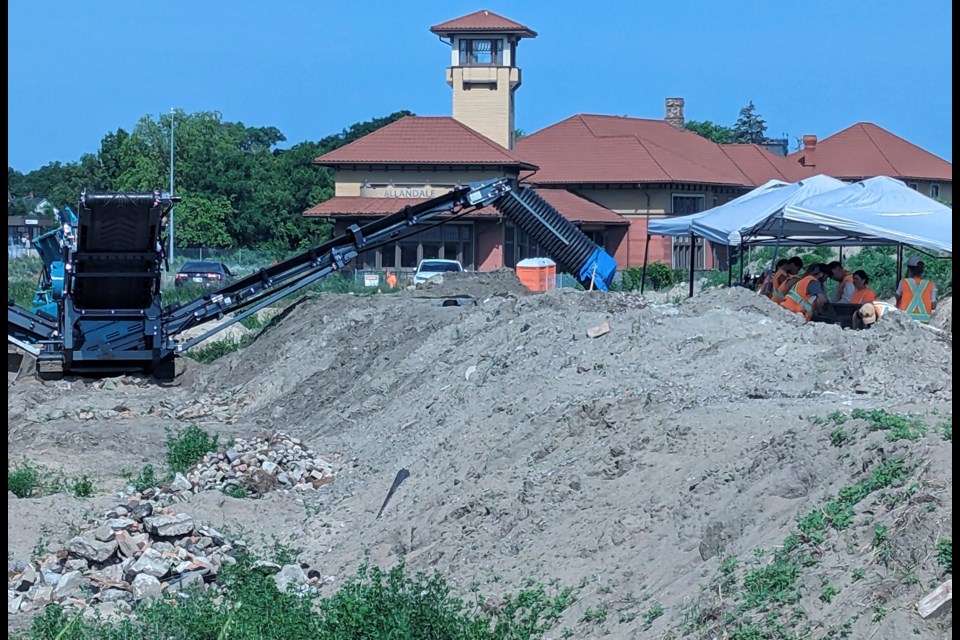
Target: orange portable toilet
(538, 274)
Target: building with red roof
(607, 174)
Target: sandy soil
(630, 464)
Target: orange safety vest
(846, 278)
(391, 281)
(916, 298)
(798, 300)
(863, 296)
(780, 293)
(776, 281)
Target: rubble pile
(252, 467)
(137, 552)
(259, 465)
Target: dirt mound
(473, 284)
(640, 464)
(943, 315)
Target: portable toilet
(538, 274)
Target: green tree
(518, 134)
(201, 221)
(711, 131)
(750, 127)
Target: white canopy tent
(820, 211)
(681, 226)
(878, 208)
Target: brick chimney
(674, 115)
(809, 150)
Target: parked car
(435, 267)
(207, 274)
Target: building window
(934, 190)
(480, 53)
(685, 205)
(518, 246)
(914, 186)
(450, 242)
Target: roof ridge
(487, 140)
(747, 178)
(877, 146)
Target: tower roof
(482, 21)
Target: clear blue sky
(80, 69)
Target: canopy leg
(643, 274)
(693, 261)
(899, 263)
(742, 260)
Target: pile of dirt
(472, 284)
(677, 448)
(943, 315)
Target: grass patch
(23, 480)
(146, 480)
(945, 555)
(900, 427)
(774, 584)
(235, 491)
(29, 480)
(372, 604)
(946, 429)
(187, 447)
(840, 437)
(652, 614)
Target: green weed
(82, 487)
(595, 616)
(775, 583)
(372, 604)
(945, 555)
(839, 437)
(652, 614)
(828, 594)
(187, 447)
(946, 429)
(235, 491)
(146, 480)
(837, 417)
(23, 480)
(900, 427)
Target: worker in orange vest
(807, 295)
(845, 289)
(793, 267)
(773, 280)
(916, 295)
(391, 280)
(863, 293)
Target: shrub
(187, 447)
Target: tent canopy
(880, 208)
(822, 211)
(682, 225)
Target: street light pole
(172, 123)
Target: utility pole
(172, 123)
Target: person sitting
(916, 295)
(868, 314)
(792, 269)
(845, 289)
(863, 293)
(775, 279)
(807, 296)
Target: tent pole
(643, 274)
(841, 256)
(693, 261)
(730, 268)
(899, 262)
(742, 260)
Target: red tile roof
(760, 165)
(578, 209)
(866, 150)
(612, 149)
(480, 21)
(417, 140)
(364, 206)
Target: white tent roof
(732, 222)
(682, 225)
(881, 208)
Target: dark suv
(206, 274)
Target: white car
(435, 267)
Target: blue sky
(80, 69)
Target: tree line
(238, 188)
(750, 128)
